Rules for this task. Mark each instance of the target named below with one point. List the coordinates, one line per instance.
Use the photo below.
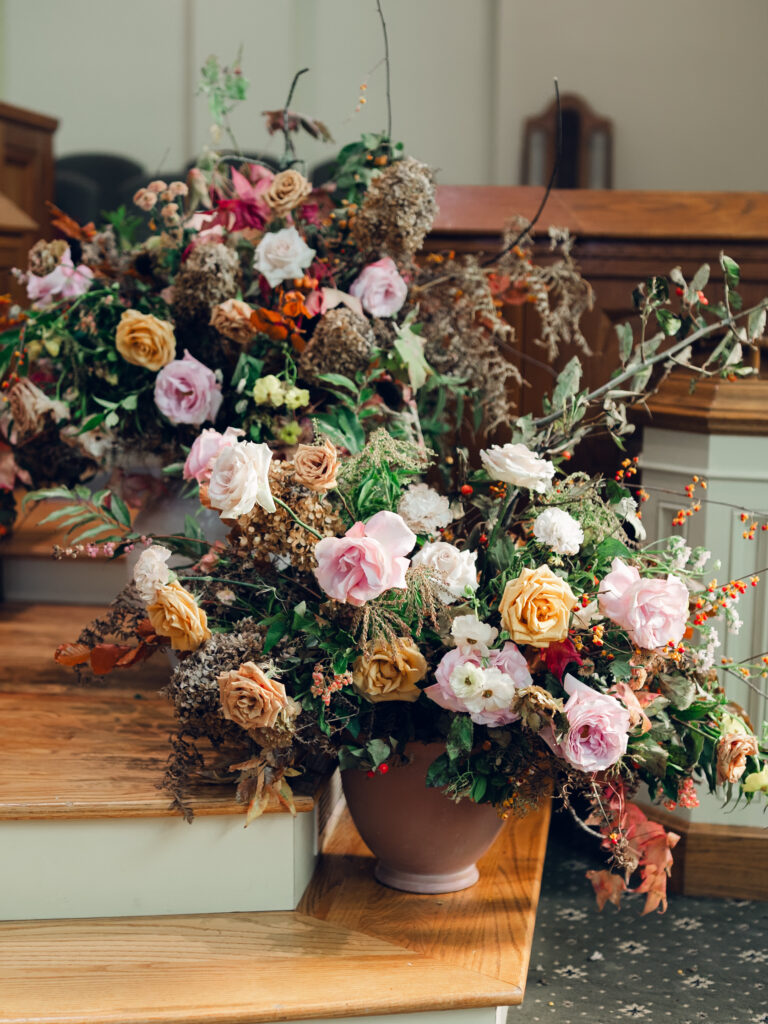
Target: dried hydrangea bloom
(342, 343)
(397, 212)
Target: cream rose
(282, 255)
(175, 614)
(240, 480)
(143, 340)
(390, 672)
(455, 570)
(287, 191)
(151, 572)
(733, 750)
(250, 699)
(315, 466)
(517, 465)
(233, 319)
(536, 606)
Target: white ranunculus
(424, 510)
(282, 255)
(456, 570)
(240, 480)
(469, 632)
(151, 572)
(482, 689)
(517, 465)
(559, 531)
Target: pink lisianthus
(367, 561)
(247, 209)
(66, 281)
(653, 611)
(380, 288)
(205, 450)
(186, 391)
(597, 728)
(483, 691)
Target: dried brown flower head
(536, 706)
(44, 257)
(390, 671)
(397, 212)
(233, 319)
(342, 343)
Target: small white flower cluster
(678, 552)
(424, 510)
(469, 633)
(704, 658)
(482, 689)
(559, 531)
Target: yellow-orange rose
(389, 672)
(250, 698)
(732, 752)
(316, 465)
(175, 614)
(144, 340)
(288, 189)
(233, 319)
(535, 607)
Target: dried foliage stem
(386, 68)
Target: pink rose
(186, 391)
(653, 611)
(204, 451)
(367, 561)
(484, 692)
(64, 282)
(598, 727)
(380, 288)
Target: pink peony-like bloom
(598, 728)
(66, 281)
(367, 561)
(464, 685)
(380, 288)
(653, 611)
(186, 391)
(205, 450)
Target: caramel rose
(250, 698)
(288, 189)
(233, 319)
(144, 340)
(535, 607)
(315, 466)
(389, 672)
(175, 614)
(732, 752)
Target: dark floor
(705, 960)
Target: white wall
(684, 80)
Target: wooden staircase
(87, 844)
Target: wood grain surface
(487, 928)
(220, 969)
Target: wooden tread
(353, 948)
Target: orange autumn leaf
(608, 887)
(72, 654)
(105, 657)
(269, 322)
(68, 225)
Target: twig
(289, 148)
(387, 69)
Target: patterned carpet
(705, 960)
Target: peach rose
(287, 191)
(144, 340)
(233, 319)
(732, 752)
(315, 466)
(251, 699)
(535, 607)
(175, 614)
(390, 673)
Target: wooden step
(80, 770)
(353, 949)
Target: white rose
(424, 510)
(455, 569)
(240, 480)
(517, 465)
(559, 531)
(151, 572)
(282, 255)
(468, 632)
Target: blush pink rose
(380, 288)
(205, 450)
(186, 391)
(597, 728)
(509, 670)
(66, 281)
(653, 611)
(367, 561)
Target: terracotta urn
(424, 841)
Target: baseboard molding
(726, 861)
